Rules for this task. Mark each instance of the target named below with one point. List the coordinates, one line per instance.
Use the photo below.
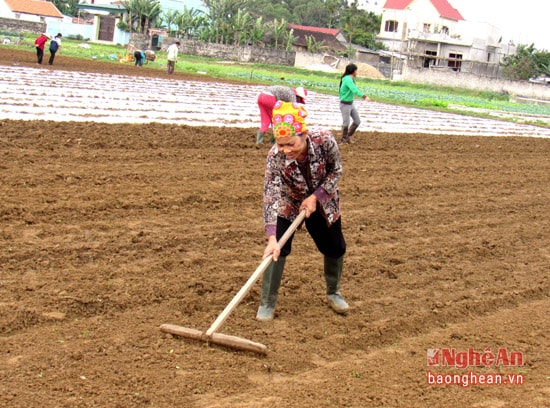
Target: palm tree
(278, 31)
(142, 14)
(221, 15)
(190, 21)
(257, 32)
(241, 27)
(170, 17)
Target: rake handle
(254, 277)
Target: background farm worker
(139, 56)
(172, 56)
(39, 43)
(347, 91)
(55, 43)
(266, 101)
(302, 171)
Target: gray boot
(259, 137)
(270, 289)
(351, 131)
(333, 273)
(344, 135)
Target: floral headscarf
(289, 119)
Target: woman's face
(294, 147)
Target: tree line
(249, 22)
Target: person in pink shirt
(266, 101)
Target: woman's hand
(272, 248)
(309, 204)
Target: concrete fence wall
(320, 62)
(238, 53)
(224, 52)
(11, 24)
(469, 81)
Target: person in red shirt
(39, 43)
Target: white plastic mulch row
(38, 93)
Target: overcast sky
(522, 21)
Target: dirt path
(109, 230)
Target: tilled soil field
(110, 230)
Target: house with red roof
(433, 34)
(29, 10)
(331, 38)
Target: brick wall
(225, 52)
(11, 24)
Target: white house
(29, 10)
(433, 34)
(107, 15)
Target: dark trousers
(39, 54)
(139, 59)
(170, 66)
(329, 240)
(52, 57)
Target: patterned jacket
(285, 187)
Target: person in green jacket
(348, 90)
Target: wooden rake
(211, 336)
